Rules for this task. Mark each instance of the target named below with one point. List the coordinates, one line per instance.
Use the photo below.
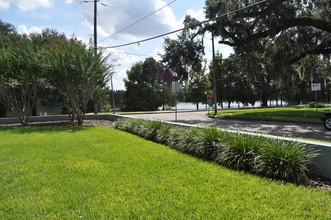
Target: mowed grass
(290, 114)
(102, 173)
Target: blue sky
(74, 17)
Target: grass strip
(289, 114)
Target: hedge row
(276, 159)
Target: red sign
(209, 95)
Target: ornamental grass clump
(286, 161)
(186, 141)
(175, 136)
(239, 152)
(129, 125)
(163, 133)
(148, 129)
(208, 142)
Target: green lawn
(102, 173)
(276, 114)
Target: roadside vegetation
(291, 114)
(74, 172)
(276, 159)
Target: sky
(119, 22)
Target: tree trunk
(3, 110)
(95, 102)
(264, 103)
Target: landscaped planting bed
(276, 159)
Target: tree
(306, 25)
(21, 78)
(143, 86)
(184, 55)
(196, 88)
(7, 32)
(76, 71)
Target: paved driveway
(287, 129)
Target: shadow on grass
(46, 127)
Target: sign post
(176, 89)
(316, 87)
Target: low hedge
(276, 159)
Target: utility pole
(95, 45)
(214, 75)
(95, 27)
(95, 23)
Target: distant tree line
(280, 49)
(40, 66)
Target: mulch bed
(313, 180)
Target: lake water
(192, 106)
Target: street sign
(175, 87)
(316, 87)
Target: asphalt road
(285, 129)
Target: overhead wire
(182, 29)
(144, 17)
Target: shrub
(148, 129)
(319, 105)
(163, 133)
(175, 134)
(208, 141)
(124, 124)
(240, 152)
(286, 161)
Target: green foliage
(280, 48)
(80, 172)
(287, 161)
(240, 152)
(163, 133)
(32, 67)
(184, 55)
(277, 114)
(208, 142)
(21, 77)
(77, 72)
(143, 87)
(197, 85)
(319, 105)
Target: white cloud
(199, 15)
(120, 20)
(123, 63)
(22, 29)
(25, 5)
(69, 1)
(4, 5)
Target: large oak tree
(305, 25)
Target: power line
(178, 30)
(134, 15)
(139, 20)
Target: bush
(240, 152)
(163, 133)
(208, 142)
(319, 105)
(284, 161)
(287, 161)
